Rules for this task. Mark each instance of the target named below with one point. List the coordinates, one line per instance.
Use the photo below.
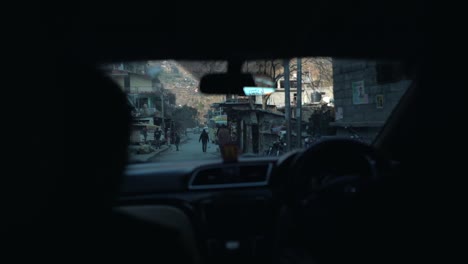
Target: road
(189, 150)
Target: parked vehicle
(354, 134)
(278, 148)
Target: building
(152, 105)
(365, 94)
(251, 127)
(310, 94)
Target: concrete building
(310, 94)
(365, 94)
(152, 105)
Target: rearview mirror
(226, 83)
(264, 85)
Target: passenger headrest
(97, 119)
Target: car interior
(75, 198)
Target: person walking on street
(177, 141)
(172, 136)
(204, 139)
(157, 137)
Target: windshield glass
(328, 97)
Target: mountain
(182, 77)
(185, 84)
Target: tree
(271, 68)
(200, 106)
(185, 117)
(200, 68)
(317, 69)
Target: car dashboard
(229, 206)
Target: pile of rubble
(141, 149)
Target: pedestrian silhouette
(204, 139)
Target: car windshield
(328, 97)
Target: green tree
(185, 117)
(200, 106)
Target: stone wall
(366, 118)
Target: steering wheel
(325, 189)
(332, 167)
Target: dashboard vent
(231, 176)
(208, 177)
(254, 173)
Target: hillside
(185, 85)
(182, 77)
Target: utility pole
(299, 103)
(163, 123)
(287, 104)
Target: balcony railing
(147, 111)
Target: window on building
(142, 101)
(129, 67)
(292, 84)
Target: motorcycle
(277, 149)
(354, 135)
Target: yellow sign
(379, 100)
(220, 118)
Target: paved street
(190, 150)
